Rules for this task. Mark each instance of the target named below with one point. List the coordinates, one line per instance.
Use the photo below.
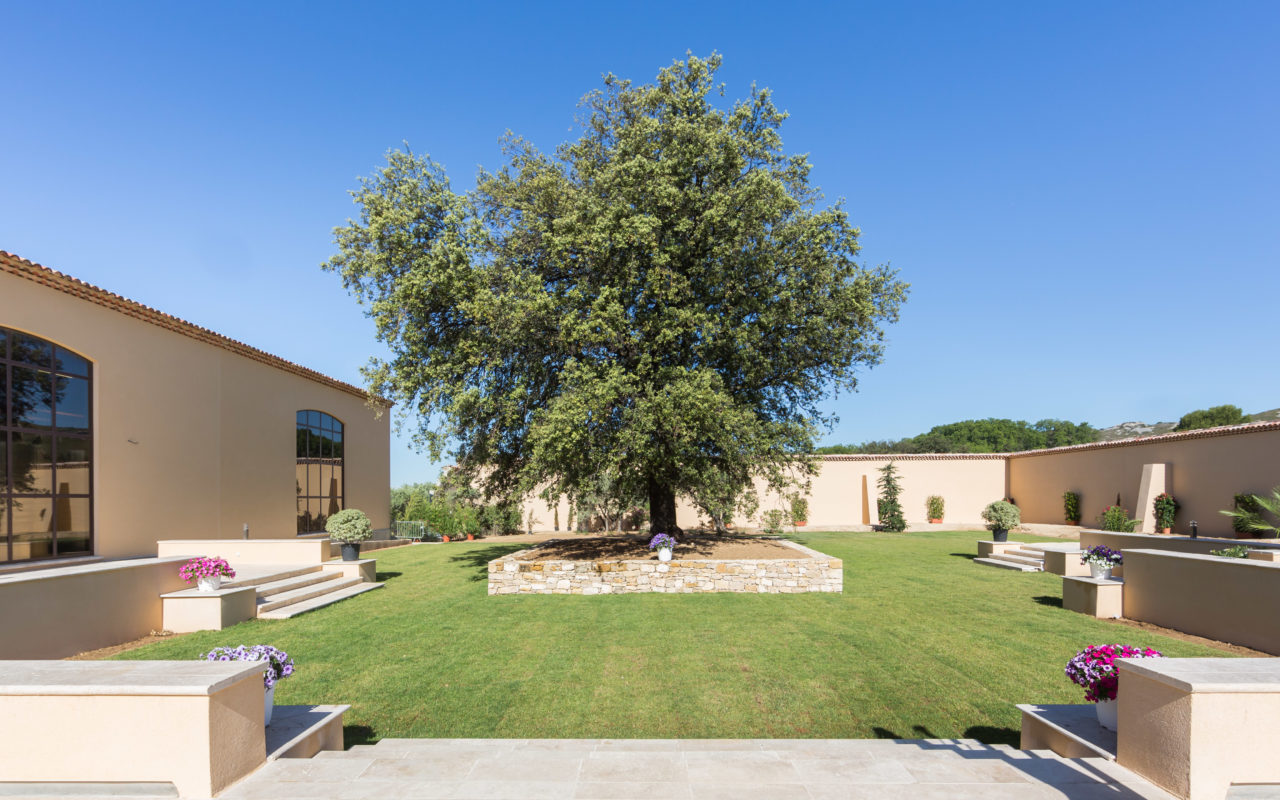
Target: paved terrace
(691, 769)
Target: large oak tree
(665, 300)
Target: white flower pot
(664, 553)
(210, 584)
(268, 705)
(1099, 571)
(1107, 713)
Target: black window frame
(310, 427)
(10, 427)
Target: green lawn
(922, 643)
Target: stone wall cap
(1233, 675)
(180, 678)
(1246, 562)
(85, 569)
(1164, 537)
(1091, 579)
(196, 593)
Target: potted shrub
(206, 572)
(664, 544)
(1101, 560)
(1166, 509)
(935, 506)
(279, 667)
(799, 511)
(1094, 668)
(1001, 516)
(1117, 519)
(1071, 507)
(771, 521)
(349, 528)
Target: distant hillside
(1129, 430)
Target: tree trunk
(662, 508)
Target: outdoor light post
(1195, 526)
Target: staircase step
(352, 588)
(259, 575)
(1026, 553)
(1016, 559)
(117, 791)
(295, 582)
(991, 562)
(333, 582)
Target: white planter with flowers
(664, 544)
(1094, 668)
(279, 667)
(1101, 560)
(206, 572)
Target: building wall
(1204, 473)
(191, 440)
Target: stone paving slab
(691, 769)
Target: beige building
(121, 425)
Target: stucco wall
(1203, 474)
(191, 440)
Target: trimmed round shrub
(1002, 516)
(349, 526)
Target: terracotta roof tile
(21, 267)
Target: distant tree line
(979, 436)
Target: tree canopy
(1212, 418)
(665, 300)
(981, 436)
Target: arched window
(46, 450)
(319, 471)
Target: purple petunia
(661, 541)
(281, 665)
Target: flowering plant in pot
(206, 572)
(1166, 509)
(1101, 560)
(799, 511)
(279, 667)
(349, 528)
(935, 505)
(1094, 668)
(1071, 507)
(1001, 516)
(663, 543)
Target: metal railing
(414, 530)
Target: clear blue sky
(1084, 195)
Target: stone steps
(291, 583)
(318, 599)
(16, 790)
(994, 562)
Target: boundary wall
(1203, 469)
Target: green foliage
(1234, 551)
(1071, 506)
(665, 299)
(1166, 508)
(1212, 418)
(1002, 516)
(1245, 503)
(1116, 518)
(1262, 515)
(888, 504)
(773, 520)
(980, 436)
(799, 509)
(935, 505)
(349, 526)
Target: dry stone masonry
(809, 571)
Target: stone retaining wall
(516, 574)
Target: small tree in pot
(934, 504)
(1001, 516)
(349, 528)
(1071, 507)
(1166, 508)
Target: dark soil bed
(691, 546)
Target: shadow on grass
(970, 556)
(885, 733)
(386, 576)
(988, 734)
(357, 734)
(1048, 600)
(479, 558)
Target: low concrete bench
(197, 725)
(1194, 726)
(1098, 597)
